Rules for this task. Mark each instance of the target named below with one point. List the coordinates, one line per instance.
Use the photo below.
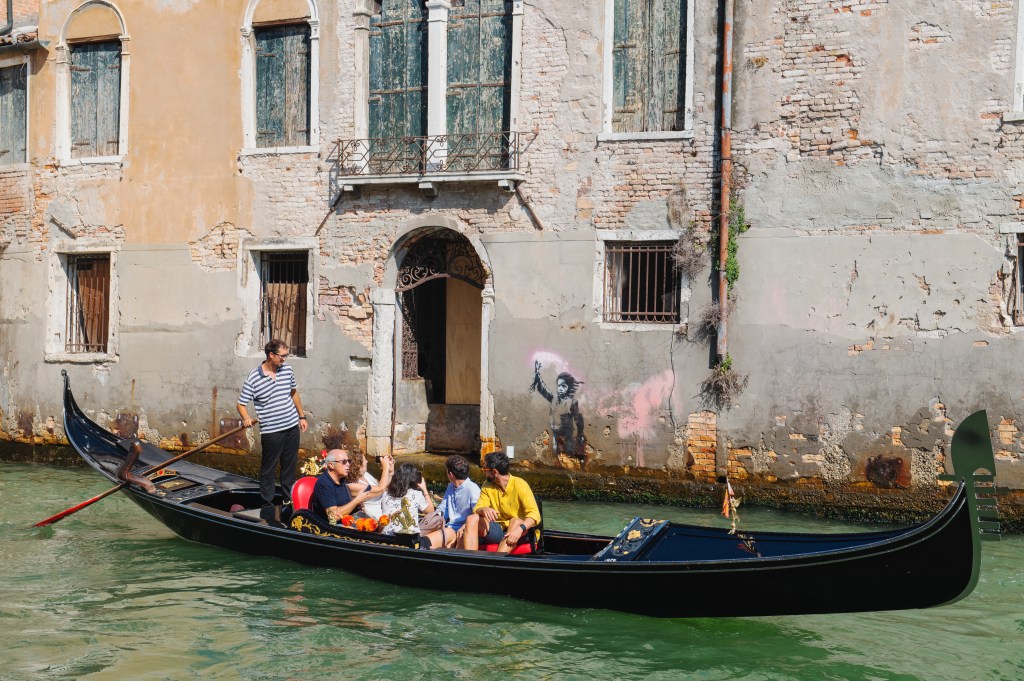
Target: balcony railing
(424, 156)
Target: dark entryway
(438, 396)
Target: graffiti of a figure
(566, 420)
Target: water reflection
(110, 594)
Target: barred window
(88, 309)
(284, 278)
(641, 283)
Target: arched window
(92, 82)
(280, 72)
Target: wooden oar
(151, 469)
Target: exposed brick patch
(217, 250)
(925, 34)
(989, 9)
(702, 444)
(351, 309)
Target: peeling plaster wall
(873, 305)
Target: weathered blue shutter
(398, 70)
(627, 63)
(282, 85)
(649, 65)
(95, 99)
(673, 47)
(13, 107)
(479, 66)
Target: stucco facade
(879, 161)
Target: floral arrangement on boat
(314, 464)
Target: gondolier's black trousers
(279, 447)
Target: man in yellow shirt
(506, 511)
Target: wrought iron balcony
(428, 158)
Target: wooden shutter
(95, 99)
(282, 86)
(88, 303)
(649, 65)
(13, 107)
(285, 277)
(398, 69)
(479, 66)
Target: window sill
(19, 167)
(80, 357)
(278, 151)
(644, 136)
(92, 160)
(639, 326)
(1013, 117)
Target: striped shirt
(272, 398)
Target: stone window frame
(62, 103)
(57, 301)
(248, 77)
(602, 237)
(26, 61)
(1016, 112)
(250, 257)
(607, 133)
(1014, 232)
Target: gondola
(656, 568)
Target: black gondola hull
(689, 572)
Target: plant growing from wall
(724, 386)
(737, 225)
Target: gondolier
(272, 389)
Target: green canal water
(109, 593)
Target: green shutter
(13, 107)
(479, 81)
(95, 99)
(479, 66)
(398, 73)
(282, 86)
(649, 65)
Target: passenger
(360, 479)
(458, 503)
(406, 483)
(331, 498)
(506, 511)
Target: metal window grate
(641, 283)
(88, 312)
(284, 277)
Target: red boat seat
(521, 549)
(302, 490)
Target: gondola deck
(652, 567)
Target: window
(95, 99)
(88, 303)
(284, 278)
(650, 63)
(479, 82)
(282, 85)
(398, 69)
(641, 283)
(13, 108)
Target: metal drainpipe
(726, 180)
(10, 18)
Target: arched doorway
(438, 337)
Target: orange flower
(347, 520)
(384, 521)
(371, 525)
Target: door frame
(380, 419)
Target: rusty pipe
(725, 183)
